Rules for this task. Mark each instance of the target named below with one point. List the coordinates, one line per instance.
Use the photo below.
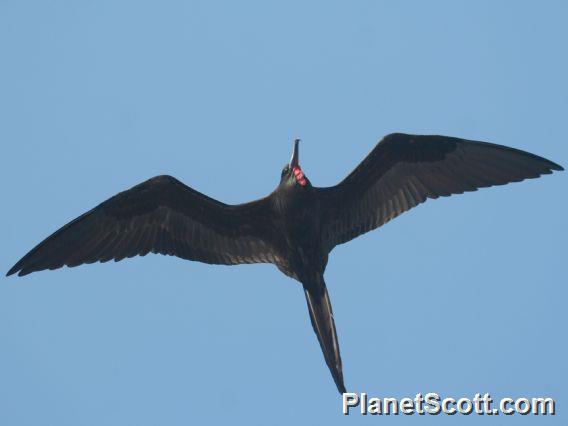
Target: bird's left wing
(403, 171)
(160, 215)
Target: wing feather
(160, 215)
(403, 171)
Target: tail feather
(321, 315)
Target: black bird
(295, 227)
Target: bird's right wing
(404, 170)
(160, 215)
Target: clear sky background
(461, 295)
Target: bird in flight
(295, 227)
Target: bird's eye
(285, 170)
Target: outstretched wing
(160, 215)
(403, 170)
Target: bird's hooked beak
(294, 165)
(295, 159)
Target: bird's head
(292, 174)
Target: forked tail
(321, 315)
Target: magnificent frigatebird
(296, 226)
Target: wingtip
(18, 269)
(553, 166)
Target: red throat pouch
(299, 175)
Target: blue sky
(461, 295)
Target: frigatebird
(296, 226)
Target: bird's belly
(304, 248)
